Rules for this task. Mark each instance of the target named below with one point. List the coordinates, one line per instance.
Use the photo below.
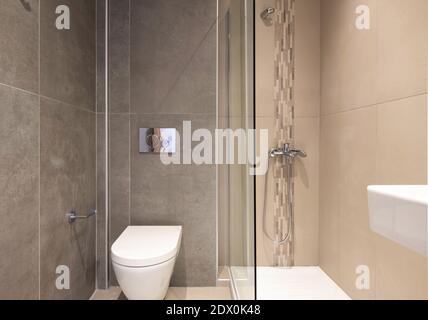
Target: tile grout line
(107, 140)
(40, 149)
(96, 146)
(376, 159)
(296, 117)
(217, 125)
(68, 104)
(19, 89)
(375, 104)
(201, 115)
(129, 109)
(43, 96)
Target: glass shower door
(236, 112)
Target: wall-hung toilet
(143, 260)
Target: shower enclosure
(170, 63)
(332, 80)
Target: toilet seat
(145, 246)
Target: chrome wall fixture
(287, 152)
(267, 16)
(72, 216)
(158, 140)
(290, 155)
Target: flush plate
(158, 140)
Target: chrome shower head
(266, 15)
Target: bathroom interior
(88, 209)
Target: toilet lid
(146, 246)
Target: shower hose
(287, 236)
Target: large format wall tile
(306, 192)
(357, 164)
(329, 196)
(402, 45)
(348, 57)
(67, 73)
(356, 146)
(195, 88)
(19, 40)
(119, 175)
(102, 229)
(400, 273)
(119, 62)
(67, 57)
(177, 195)
(383, 144)
(67, 182)
(101, 55)
(19, 196)
(119, 180)
(345, 238)
(172, 49)
(402, 141)
(265, 68)
(357, 250)
(173, 59)
(308, 64)
(378, 136)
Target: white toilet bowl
(143, 261)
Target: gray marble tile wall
(47, 150)
(173, 79)
(102, 227)
(163, 72)
(119, 121)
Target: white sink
(400, 213)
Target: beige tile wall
(307, 112)
(306, 134)
(373, 131)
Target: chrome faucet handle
(276, 152)
(300, 153)
(287, 152)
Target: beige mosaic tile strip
(284, 131)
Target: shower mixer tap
(287, 152)
(290, 154)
